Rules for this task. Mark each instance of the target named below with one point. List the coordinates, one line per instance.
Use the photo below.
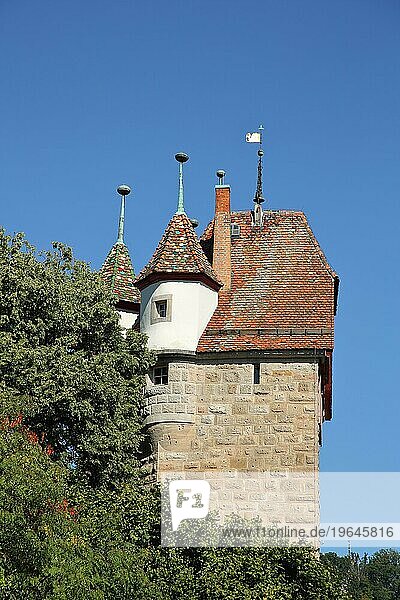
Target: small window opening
(161, 375)
(256, 373)
(235, 230)
(161, 307)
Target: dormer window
(235, 230)
(161, 308)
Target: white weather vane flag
(254, 137)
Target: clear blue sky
(98, 93)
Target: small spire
(123, 191)
(181, 157)
(258, 199)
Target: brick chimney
(222, 235)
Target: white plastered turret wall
(190, 305)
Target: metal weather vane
(257, 137)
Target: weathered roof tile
(117, 271)
(179, 252)
(283, 291)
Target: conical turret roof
(117, 272)
(178, 256)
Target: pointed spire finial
(258, 198)
(181, 157)
(123, 191)
(257, 137)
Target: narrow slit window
(256, 373)
(161, 375)
(161, 308)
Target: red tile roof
(178, 255)
(118, 273)
(283, 291)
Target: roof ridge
(114, 273)
(192, 240)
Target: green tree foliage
(64, 364)
(351, 570)
(37, 524)
(263, 574)
(71, 489)
(383, 573)
(60, 542)
(77, 520)
(375, 577)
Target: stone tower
(242, 321)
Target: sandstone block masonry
(214, 417)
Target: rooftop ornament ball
(123, 190)
(181, 157)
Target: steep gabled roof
(178, 256)
(283, 291)
(117, 271)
